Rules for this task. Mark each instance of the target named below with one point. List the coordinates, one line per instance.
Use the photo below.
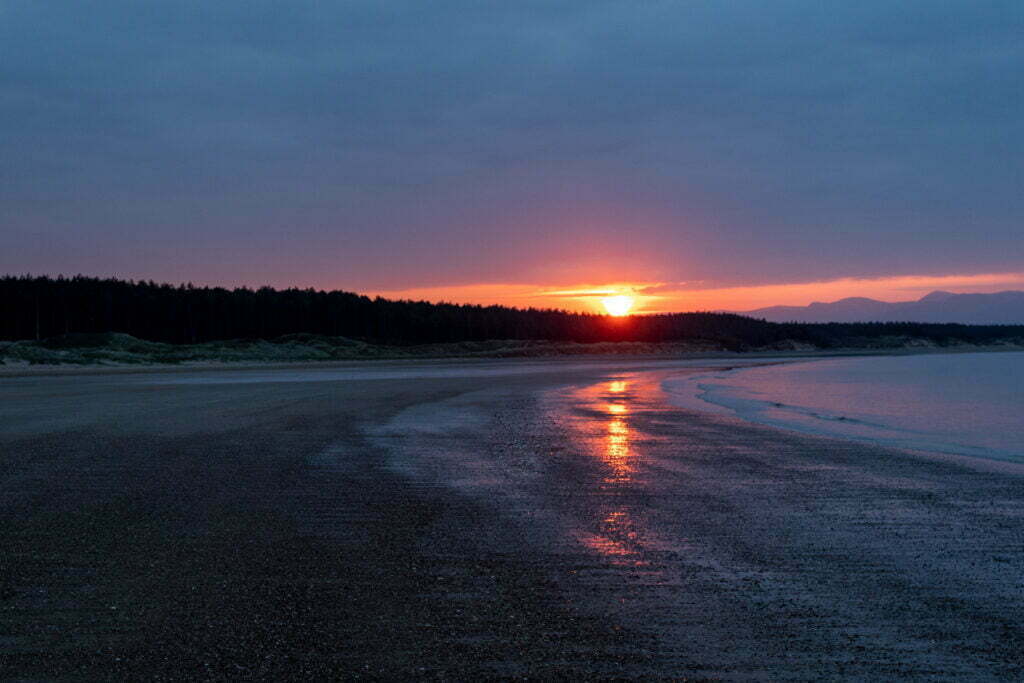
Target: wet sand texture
(564, 523)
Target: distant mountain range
(1000, 308)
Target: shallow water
(965, 404)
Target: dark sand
(562, 520)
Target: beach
(491, 519)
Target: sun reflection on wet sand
(617, 453)
(617, 537)
(608, 409)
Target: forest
(41, 308)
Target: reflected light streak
(616, 532)
(617, 453)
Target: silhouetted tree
(41, 307)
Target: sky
(697, 154)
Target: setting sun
(618, 305)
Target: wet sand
(513, 519)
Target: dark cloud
(389, 144)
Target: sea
(969, 404)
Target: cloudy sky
(519, 151)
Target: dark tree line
(43, 307)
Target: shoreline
(807, 411)
(25, 369)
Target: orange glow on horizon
(667, 297)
